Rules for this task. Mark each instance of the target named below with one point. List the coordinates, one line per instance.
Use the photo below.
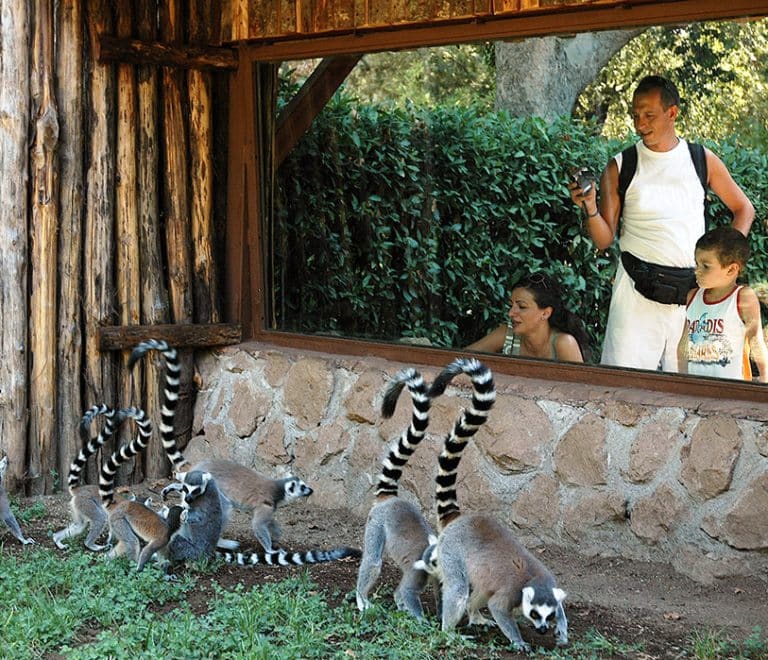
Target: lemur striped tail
(126, 452)
(469, 421)
(285, 558)
(399, 453)
(170, 394)
(90, 445)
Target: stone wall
(609, 472)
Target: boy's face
(711, 274)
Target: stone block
(745, 525)
(581, 457)
(709, 460)
(307, 392)
(654, 517)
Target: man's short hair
(729, 244)
(669, 94)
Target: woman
(539, 325)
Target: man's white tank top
(663, 213)
(716, 337)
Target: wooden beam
(547, 21)
(297, 116)
(136, 51)
(186, 335)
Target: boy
(722, 330)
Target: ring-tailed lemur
(396, 527)
(204, 524)
(85, 502)
(245, 489)
(140, 531)
(5, 508)
(478, 559)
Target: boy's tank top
(716, 338)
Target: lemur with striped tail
(395, 527)
(478, 559)
(85, 503)
(201, 530)
(140, 531)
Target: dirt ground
(628, 602)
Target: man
(663, 216)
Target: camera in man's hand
(583, 178)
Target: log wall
(107, 216)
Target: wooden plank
(127, 266)
(199, 86)
(14, 245)
(98, 242)
(71, 101)
(566, 19)
(178, 236)
(155, 306)
(182, 335)
(299, 113)
(137, 51)
(43, 430)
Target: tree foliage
(720, 68)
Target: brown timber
(136, 51)
(178, 335)
(154, 294)
(71, 101)
(99, 289)
(14, 247)
(200, 84)
(127, 266)
(43, 432)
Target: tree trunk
(44, 232)
(99, 373)
(154, 295)
(544, 76)
(14, 258)
(70, 96)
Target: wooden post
(176, 204)
(14, 258)
(126, 225)
(69, 71)
(154, 294)
(206, 294)
(44, 234)
(99, 248)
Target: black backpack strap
(699, 159)
(627, 171)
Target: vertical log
(127, 219)
(44, 237)
(154, 295)
(69, 73)
(176, 203)
(201, 173)
(14, 109)
(99, 248)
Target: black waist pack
(664, 284)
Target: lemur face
(295, 488)
(541, 608)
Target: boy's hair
(669, 94)
(729, 244)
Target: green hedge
(413, 222)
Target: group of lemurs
(473, 562)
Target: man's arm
(602, 225)
(723, 185)
(682, 350)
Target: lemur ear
(419, 565)
(180, 476)
(431, 539)
(559, 594)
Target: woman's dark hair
(548, 293)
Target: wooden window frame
(245, 291)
